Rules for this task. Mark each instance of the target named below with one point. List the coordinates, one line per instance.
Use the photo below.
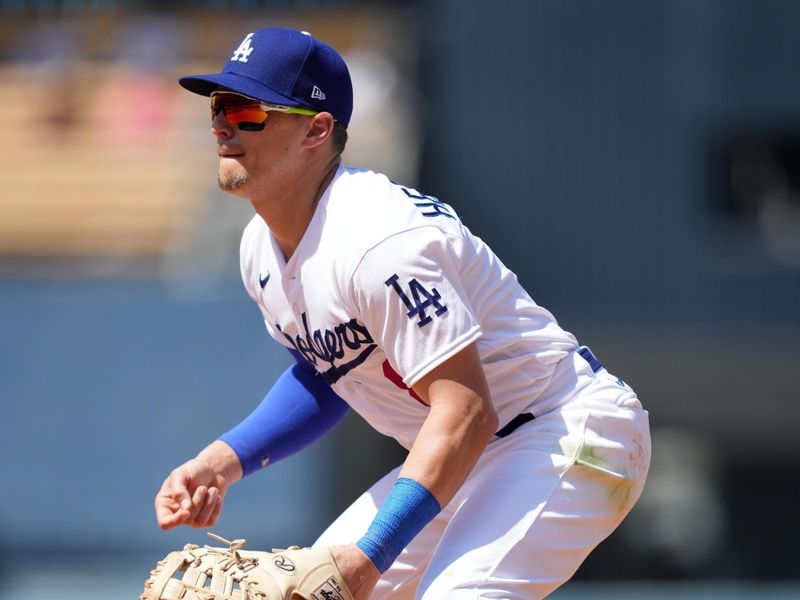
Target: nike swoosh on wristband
(263, 280)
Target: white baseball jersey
(385, 285)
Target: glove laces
(230, 556)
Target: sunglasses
(248, 113)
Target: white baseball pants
(535, 505)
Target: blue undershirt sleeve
(299, 409)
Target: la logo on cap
(288, 68)
(244, 50)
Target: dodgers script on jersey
(386, 284)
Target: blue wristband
(407, 509)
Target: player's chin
(231, 180)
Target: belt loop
(587, 355)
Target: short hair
(339, 137)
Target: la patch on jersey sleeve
(408, 291)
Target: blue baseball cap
(284, 66)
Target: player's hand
(193, 493)
(358, 571)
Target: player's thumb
(180, 490)
(169, 511)
(177, 489)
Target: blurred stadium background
(636, 163)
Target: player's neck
(288, 210)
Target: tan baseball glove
(233, 574)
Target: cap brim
(205, 84)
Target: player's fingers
(169, 512)
(177, 485)
(217, 511)
(199, 497)
(196, 503)
(171, 503)
(201, 520)
(165, 504)
(179, 518)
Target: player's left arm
(460, 424)
(458, 428)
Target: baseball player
(524, 452)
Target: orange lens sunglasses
(248, 113)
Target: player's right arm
(299, 409)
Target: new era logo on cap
(284, 66)
(317, 93)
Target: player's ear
(320, 128)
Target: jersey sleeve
(409, 293)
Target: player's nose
(221, 127)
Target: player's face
(255, 148)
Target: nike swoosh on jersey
(263, 280)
